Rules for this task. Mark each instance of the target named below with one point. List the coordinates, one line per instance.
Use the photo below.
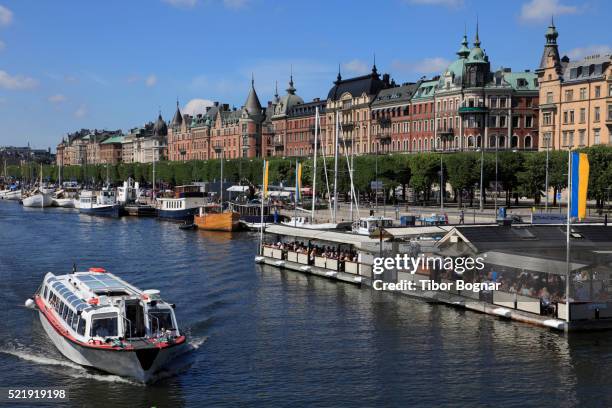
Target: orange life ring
(98, 270)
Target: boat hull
(225, 221)
(141, 364)
(38, 200)
(11, 195)
(177, 215)
(63, 202)
(113, 211)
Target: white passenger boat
(98, 320)
(367, 225)
(183, 205)
(61, 200)
(305, 223)
(103, 203)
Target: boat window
(81, 326)
(65, 312)
(104, 326)
(69, 317)
(73, 323)
(160, 319)
(46, 292)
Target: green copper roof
(522, 81)
(114, 139)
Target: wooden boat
(214, 218)
(187, 226)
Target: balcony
(312, 141)
(348, 141)
(278, 143)
(383, 138)
(347, 125)
(472, 109)
(446, 132)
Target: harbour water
(264, 337)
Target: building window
(583, 93)
(515, 121)
(527, 142)
(528, 121)
(597, 114)
(582, 115)
(549, 97)
(569, 95)
(581, 137)
(493, 102)
(610, 112)
(502, 102)
(610, 90)
(564, 138)
(502, 121)
(571, 117)
(596, 136)
(571, 137)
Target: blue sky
(112, 64)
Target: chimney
(216, 103)
(226, 106)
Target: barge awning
(530, 263)
(329, 236)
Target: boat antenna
(74, 269)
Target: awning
(530, 263)
(329, 236)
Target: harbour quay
(523, 276)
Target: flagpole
(263, 195)
(336, 167)
(568, 231)
(297, 192)
(314, 171)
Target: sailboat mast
(221, 184)
(314, 163)
(263, 196)
(336, 168)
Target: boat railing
(318, 261)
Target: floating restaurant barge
(527, 264)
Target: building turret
(177, 120)
(464, 51)
(252, 104)
(551, 49)
(160, 128)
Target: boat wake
(180, 365)
(74, 370)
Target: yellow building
(575, 98)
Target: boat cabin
(97, 306)
(367, 225)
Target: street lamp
(219, 151)
(547, 139)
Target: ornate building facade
(575, 98)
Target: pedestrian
(461, 217)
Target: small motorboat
(188, 226)
(103, 204)
(96, 319)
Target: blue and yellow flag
(298, 182)
(579, 184)
(266, 168)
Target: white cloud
(235, 4)
(16, 82)
(581, 52)
(57, 98)
(181, 3)
(80, 112)
(447, 3)
(196, 106)
(356, 67)
(540, 10)
(433, 65)
(6, 16)
(151, 80)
